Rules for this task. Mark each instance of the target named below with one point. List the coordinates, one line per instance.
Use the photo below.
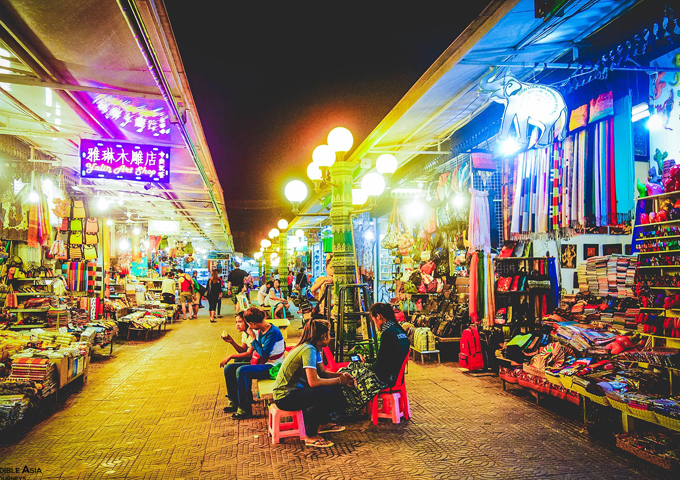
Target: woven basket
(668, 422)
(662, 462)
(646, 415)
(619, 405)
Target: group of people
(302, 381)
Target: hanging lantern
(189, 249)
(164, 243)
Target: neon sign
(139, 118)
(124, 161)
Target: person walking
(213, 294)
(290, 279)
(219, 302)
(236, 282)
(301, 282)
(186, 293)
(168, 288)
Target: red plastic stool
(395, 403)
(278, 429)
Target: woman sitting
(303, 384)
(275, 299)
(262, 294)
(244, 350)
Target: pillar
(341, 223)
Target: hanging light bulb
(299, 233)
(102, 204)
(283, 224)
(109, 222)
(124, 245)
(136, 231)
(33, 197)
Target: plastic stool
(278, 429)
(392, 407)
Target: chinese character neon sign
(124, 161)
(139, 118)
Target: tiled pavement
(154, 411)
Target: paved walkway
(154, 411)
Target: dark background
(270, 82)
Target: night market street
(154, 411)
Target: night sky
(270, 82)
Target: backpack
(471, 356)
(423, 339)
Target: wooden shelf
(26, 327)
(31, 294)
(654, 224)
(664, 288)
(661, 195)
(642, 239)
(658, 266)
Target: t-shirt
(236, 277)
(394, 346)
(292, 374)
(245, 338)
(186, 285)
(269, 301)
(270, 346)
(168, 286)
(301, 280)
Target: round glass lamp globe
(386, 163)
(296, 191)
(299, 233)
(124, 245)
(283, 224)
(323, 156)
(359, 197)
(373, 184)
(314, 172)
(273, 255)
(273, 233)
(265, 243)
(257, 255)
(340, 139)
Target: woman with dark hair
(275, 299)
(213, 293)
(303, 384)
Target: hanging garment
(490, 307)
(479, 222)
(624, 158)
(474, 287)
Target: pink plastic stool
(392, 407)
(278, 429)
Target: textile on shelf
(479, 221)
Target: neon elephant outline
(526, 105)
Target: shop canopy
(446, 97)
(79, 70)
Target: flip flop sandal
(319, 444)
(333, 429)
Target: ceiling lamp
(136, 231)
(373, 184)
(273, 255)
(283, 224)
(265, 243)
(386, 164)
(340, 139)
(299, 233)
(314, 172)
(323, 156)
(124, 245)
(273, 233)
(102, 204)
(359, 197)
(257, 255)
(296, 191)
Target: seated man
(304, 384)
(384, 372)
(269, 346)
(244, 350)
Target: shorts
(197, 298)
(186, 297)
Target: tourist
(275, 299)
(235, 282)
(301, 282)
(199, 290)
(243, 355)
(320, 287)
(213, 294)
(384, 372)
(303, 384)
(219, 302)
(262, 294)
(269, 345)
(168, 289)
(290, 279)
(186, 293)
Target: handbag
(428, 268)
(504, 284)
(390, 240)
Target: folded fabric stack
(612, 276)
(582, 280)
(39, 370)
(12, 409)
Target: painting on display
(590, 250)
(568, 257)
(612, 249)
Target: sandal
(334, 429)
(319, 443)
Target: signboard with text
(124, 161)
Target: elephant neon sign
(526, 105)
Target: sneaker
(230, 409)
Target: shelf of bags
(662, 237)
(661, 195)
(657, 252)
(521, 258)
(658, 266)
(655, 224)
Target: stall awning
(86, 69)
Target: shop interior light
(109, 222)
(369, 235)
(386, 164)
(296, 191)
(655, 122)
(509, 147)
(359, 197)
(283, 224)
(323, 156)
(206, 225)
(458, 201)
(640, 112)
(299, 233)
(33, 197)
(415, 210)
(136, 231)
(314, 172)
(102, 204)
(340, 140)
(273, 233)
(257, 255)
(265, 243)
(124, 245)
(373, 184)
(273, 255)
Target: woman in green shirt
(304, 384)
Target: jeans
(239, 378)
(316, 404)
(219, 306)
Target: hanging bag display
(390, 240)
(11, 300)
